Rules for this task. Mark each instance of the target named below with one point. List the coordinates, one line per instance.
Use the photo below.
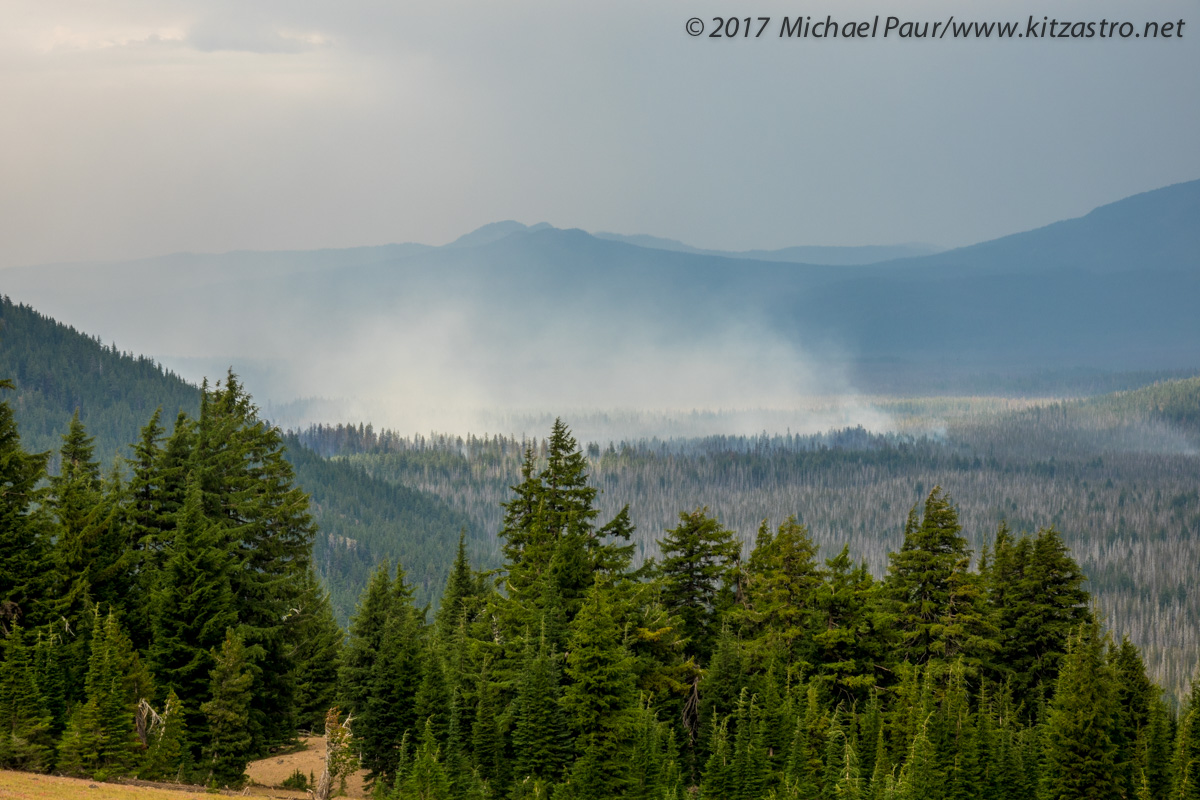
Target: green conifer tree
(599, 698)
(1079, 760)
(462, 593)
(778, 589)
(1185, 767)
(696, 558)
(166, 757)
(317, 654)
(487, 743)
(24, 527)
(717, 780)
(805, 767)
(427, 779)
(844, 638)
(540, 739)
(749, 759)
(248, 489)
(228, 714)
(191, 611)
(932, 606)
(25, 722)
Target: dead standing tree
(340, 758)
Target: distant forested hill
(1117, 475)
(58, 371)
(362, 520)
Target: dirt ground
(265, 777)
(28, 786)
(270, 772)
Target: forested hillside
(782, 672)
(57, 371)
(767, 617)
(1117, 476)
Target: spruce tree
(167, 756)
(25, 722)
(487, 743)
(24, 528)
(365, 638)
(778, 589)
(461, 595)
(844, 639)
(599, 699)
(717, 781)
(1185, 767)
(192, 609)
(427, 780)
(805, 768)
(1133, 695)
(147, 524)
(750, 764)
(540, 739)
(842, 768)
(550, 533)
(1036, 589)
(1080, 758)
(100, 740)
(228, 714)
(248, 490)
(88, 551)
(932, 605)
(317, 654)
(697, 556)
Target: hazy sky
(139, 127)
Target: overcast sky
(141, 127)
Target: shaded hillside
(58, 370)
(361, 520)
(364, 520)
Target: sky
(141, 127)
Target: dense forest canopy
(170, 625)
(1117, 475)
(842, 615)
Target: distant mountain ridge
(828, 256)
(510, 306)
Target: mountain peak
(495, 231)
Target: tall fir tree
(1079, 760)
(317, 654)
(26, 741)
(1185, 766)
(777, 592)
(192, 608)
(540, 739)
(599, 699)
(248, 489)
(24, 527)
(932, 605)
(845, 641)
(697, 557)
(228, 713)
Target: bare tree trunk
(339, 759)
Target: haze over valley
(511, 322)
